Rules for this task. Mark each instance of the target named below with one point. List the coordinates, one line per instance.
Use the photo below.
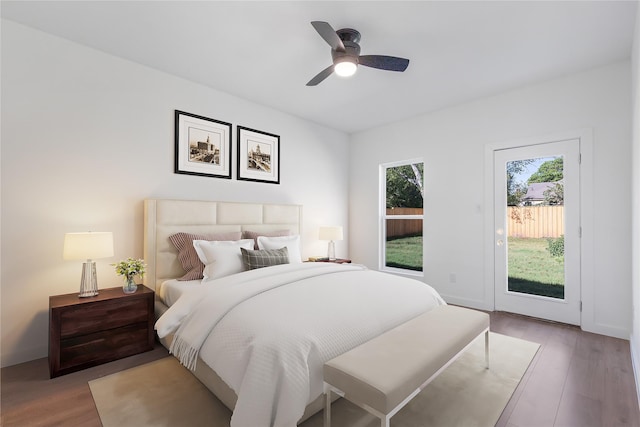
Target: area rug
(163, 393)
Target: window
(401, 202)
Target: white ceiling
(267, 51)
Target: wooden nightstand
(85, 332)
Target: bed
(258, 339)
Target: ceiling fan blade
(329, 35)
(389, 63)
(321, 76)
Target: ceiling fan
(345, 52)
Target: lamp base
(89, 281)
(331, 251)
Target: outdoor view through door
(535, 226)
(402, 196)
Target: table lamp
(331, 233)
(88, 246)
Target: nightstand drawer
(106, 315)
(104, 346)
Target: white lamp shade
(88, 245)
(331, 233)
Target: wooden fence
(535, 221)
(403, 227)
(522, 221)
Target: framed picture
(258, 156)
(203, 146)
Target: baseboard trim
(15, 358)
(610, 331)
(465, 302)
(635, 362)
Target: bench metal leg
(486, 348)
(327, 407)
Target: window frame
(382, 238)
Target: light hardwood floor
(576, 379)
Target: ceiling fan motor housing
(350, 39)
(348, 35)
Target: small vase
(129, 286)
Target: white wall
(87, 136)
(635, 199)
(452, 143)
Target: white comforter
(268, 332)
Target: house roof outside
(535, 191)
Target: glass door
(537, 231)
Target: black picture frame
(202, 146)
(258, 156)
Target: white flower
(130, 267)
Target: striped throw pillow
(187, 255)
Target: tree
(515, 190)
(554, 195)
(549, 171)
(405, 186)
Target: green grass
(405, 252)
(532, 269)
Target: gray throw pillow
(264, 257)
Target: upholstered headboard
(162, 218)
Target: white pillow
(221, 258)
(291, 242)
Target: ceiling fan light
(345, 68)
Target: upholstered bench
(385, 373)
